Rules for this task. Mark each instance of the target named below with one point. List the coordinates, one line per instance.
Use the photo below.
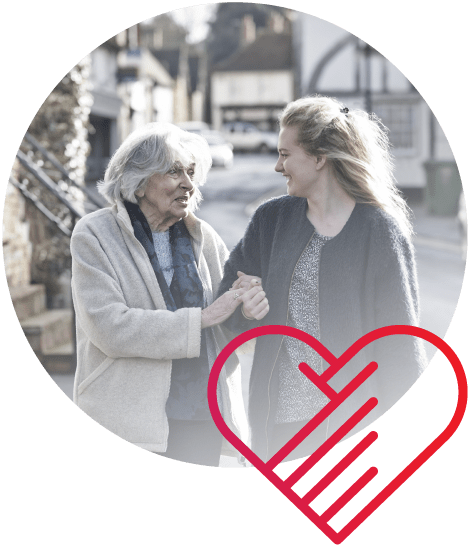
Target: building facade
(330, 61)
(256, 82)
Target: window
(400, 120)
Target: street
(228, 192)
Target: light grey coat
(126, 339)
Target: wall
(345, 73)
(250, 88)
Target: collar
(193, 224)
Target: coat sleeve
(245, 257)
(117, 329)
(222, 251)
(401, 358)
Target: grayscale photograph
(212, 170)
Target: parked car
(194, 126)
(221, 151)
(247, 137)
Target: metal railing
(75, 207)
(40, 206)
(53, 160)
(41, 176)
(67, 205)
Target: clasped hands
(255, 304)
(248, 292)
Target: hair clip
(345, 110)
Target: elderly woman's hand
(255, 303)
(222, 308)
(244, 281)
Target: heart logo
(335, 364)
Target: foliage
(61, 127)
(61, 124)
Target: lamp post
(368, 78)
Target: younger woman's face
(299, 169)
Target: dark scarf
(189, 377)
(186, 287)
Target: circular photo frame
(126, 325)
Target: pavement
(438, 232)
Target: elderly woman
(336, 261)
(144, 274)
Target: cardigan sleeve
(117, 329)
(221, 248)
(245, 257)
(401, 358)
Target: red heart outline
(336, 364)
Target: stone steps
(60, 360)
(48, 331)
(28, 300)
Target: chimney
(133, 37)
(276, 22)
(248, 30)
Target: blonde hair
(154, 148)
(358, 148)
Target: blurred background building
(333, 62)
(254, 83)
(228, 69)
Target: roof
(170, 59)
(270, 51)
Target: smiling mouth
(182, 200)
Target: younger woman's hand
(255, 303)
(244, 281)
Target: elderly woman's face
(165, 199)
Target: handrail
(43, 178)
(54, 188)
(53, 160)
(40, 206)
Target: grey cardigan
(367, 279)
(126, 339)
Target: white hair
(154, 149)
